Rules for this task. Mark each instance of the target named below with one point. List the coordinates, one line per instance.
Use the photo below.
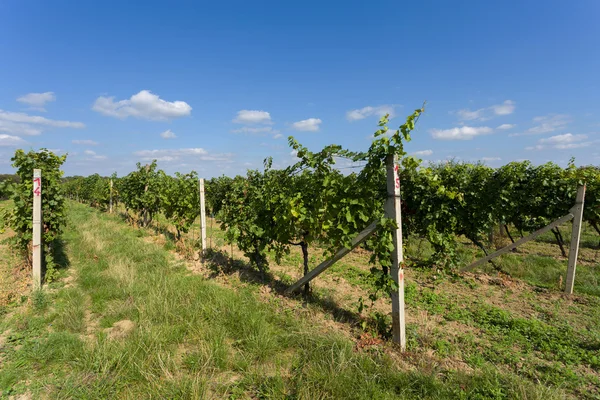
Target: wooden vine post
(577, 212)
(202, 216)
(37, 229)
(392, 210)
(110, 204)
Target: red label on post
(396, 177)
(37, 186)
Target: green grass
(551, 347)
(195, 339)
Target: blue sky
(218, 86)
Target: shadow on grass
(159, 229)
(60, 256)
(61, 260)
(156, 227)
(219, 262)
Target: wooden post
(110, 204)
(202, 217)
(575, 235)
(37, 228)
(392, 210)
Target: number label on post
(37, 186)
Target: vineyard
(313, 204)
(511, 333)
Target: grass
(469, 336)
(193, 338)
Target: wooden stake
(110, 204)
(37, 228)
(575, 236)
(519, 242)
(392, 210)
(202, 217)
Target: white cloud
(85, 142)
(252, 117)
(468, 115)
(504, 127)
(37, 100)
(193, 154)
(491, 159)
(277, 136)
(8, 140)
(379, 111)
(536, 147)
(168, 134)
(307, 125)
(506, 108)
(549, 123)
(93, 155)
(483, 114)
(143, 105)
(568, 146)
(37, 120)
(253, 130)
(461, 133)
(562, 139)
(19, 129)
(423, 153)
(25, 124)
(562, 142)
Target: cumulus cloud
(85, 142)
(483, 114)
(277, 136)
(491, 159)
(37, 100)
(8, 141)
(562, 142)
(25, 124)
(168, 134)
(252, 117)
(368, 111)
(504, 127)
(143, 105)
(307, 125)
(460, 133)
(423, 153)
(193, 154)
